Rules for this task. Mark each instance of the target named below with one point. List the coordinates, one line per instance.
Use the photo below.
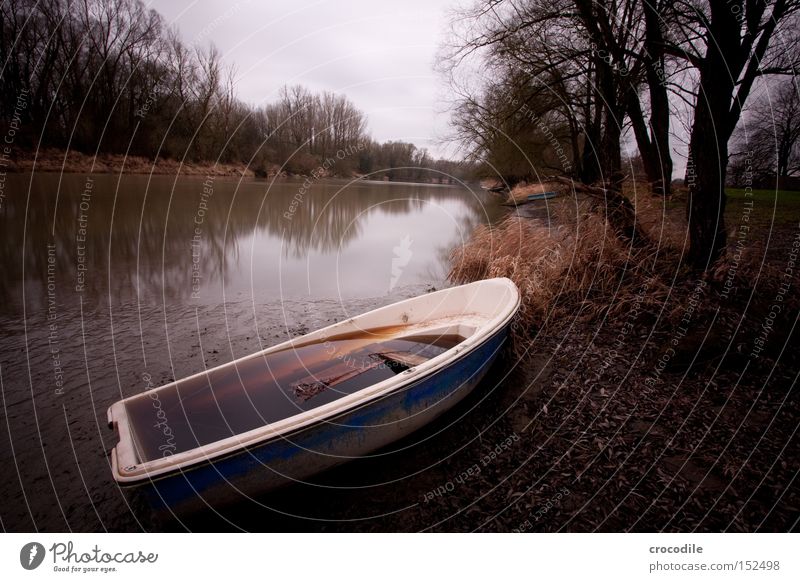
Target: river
(113, 284)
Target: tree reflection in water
(139, 229)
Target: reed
(580, 267)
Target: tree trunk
(785, 146)
(590, 158)
(659, 154)
(706, 180)
(640, 132)
(708, 147)
(607, 96)
(652, 138)
(610, 150)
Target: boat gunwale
(127, 469)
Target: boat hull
(321, 446)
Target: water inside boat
(263, 389)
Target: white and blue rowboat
(303, 406)
(541, 196)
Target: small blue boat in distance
(308, 404)
(541, 196)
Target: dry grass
(663, 222)
(579, 268)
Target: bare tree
(731, 43)
(767, 143)
(653, 137)
(583, 63)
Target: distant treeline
(110, 76)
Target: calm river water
(113, 284)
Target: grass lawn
(783, 195)
(782, 205)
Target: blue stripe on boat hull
(542, 196)
(324, 445)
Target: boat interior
(269, 387)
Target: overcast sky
(380, 54)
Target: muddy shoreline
(55, 160)
(563, 441)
